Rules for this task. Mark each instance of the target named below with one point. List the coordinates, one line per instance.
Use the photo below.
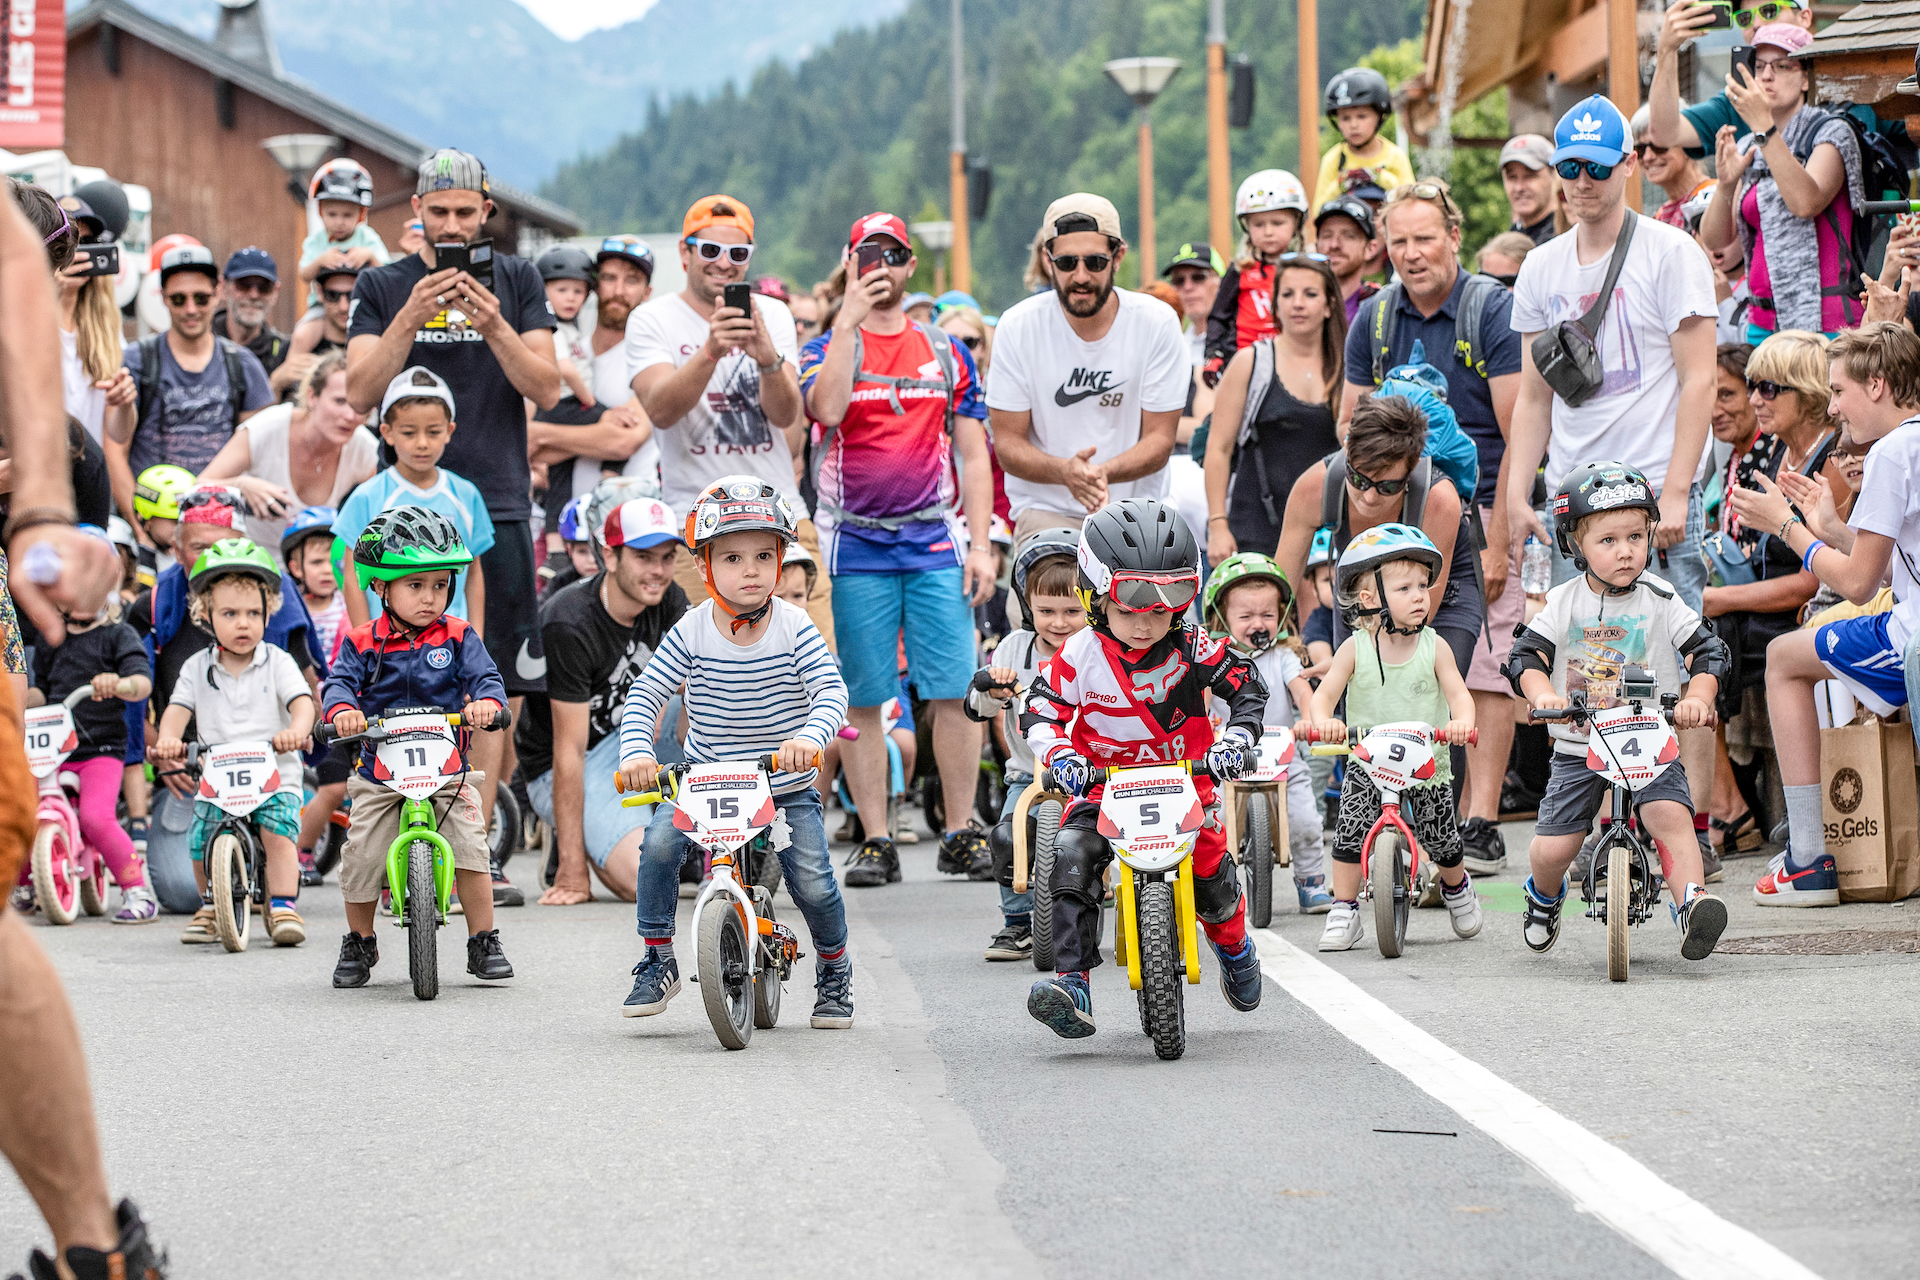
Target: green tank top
(1410, 691)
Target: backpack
(942, 343)
(1886, 155)
(1467, 347)
(1448, 443)
(150, 375)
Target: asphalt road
(1749, 1115)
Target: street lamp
(300, 154)
(1142, 79)
(937, 236)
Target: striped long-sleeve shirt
(742, 700)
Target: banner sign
(33, 74)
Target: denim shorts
(870, 610)
(1575, 794)
(603, 821)
(279, 815)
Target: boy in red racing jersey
(1131, 690)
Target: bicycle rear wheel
(766, 986)
(1392, 886)
(93, 888)
(725, 985)
(1619, 909)
(1256, 860)
(232, 895)
(1046, 826)
(423, 922)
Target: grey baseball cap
(1530, 149)
(450, 170)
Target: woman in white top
(89, 343)
(308, 453)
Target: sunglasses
(181, 299)
(1385, 488)
(1153, 592)
(252, 284)
(66, 225)
(1186, 279)
(337, 295)
(1767, 390)
(1070, 262)
(710, 251)
(896, 256)
(972, 343)
(1570, 170)
(1427, 191)
(211, 497)
(1762, 13)
(1644, 149)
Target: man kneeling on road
(598, 635)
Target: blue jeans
(1011, 903)
(604, 821)
(1686, 567)
(805, 863)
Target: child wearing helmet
(1249, 602)
(338, 198)
(306, 548)
(1359, 102)
(567, 272)
(1148, 673)
(1393, 667)
(757, 679)
(242, 688)
(574, 536)
(1271, 206)
(415, 654)
(155, 506)
(1046, 575)
(1614, 615)
(1317, 631)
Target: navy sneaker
(1701, 922)
(655, 981)
(1788, 884)
(833, 995)
(1240, 977)
(1064, 1003)
(1541, 924)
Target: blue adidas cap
(1593, 130)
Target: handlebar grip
(1330, 749)
(639, 798)
(772, 760)
(502, 719)
(323, 735)
(1887, 208)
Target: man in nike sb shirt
(1088, 381)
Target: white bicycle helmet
(1268, 190)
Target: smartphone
(450, 257)
(868, 256)
(1722, 15)
(101, 259)
(1742, 55)
(480, 263)
(740, 298)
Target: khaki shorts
(686, 572)
(1503, 615)
(376, 823)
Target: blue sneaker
(1314, 898)
(1787, 884)
(1240, 977)
(655, 981)
(1064, 1003)
(1540, 926)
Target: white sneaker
(1344, 928)
(137, 906)
(1463, 909)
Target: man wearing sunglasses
(1088, 381)
(197, 386)
(328, 330)
(1673, 125)
(250, 287)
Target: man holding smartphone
(714, 367)
(1671, 125)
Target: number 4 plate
(50, 738)
(418, 756)
(240, 776)
(1634, 747)
(724, 804)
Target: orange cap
(717, 211)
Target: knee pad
(1079, 855)
(1000, 845)
(1216, 896)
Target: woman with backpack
(1790, 191)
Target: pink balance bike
(67, 874)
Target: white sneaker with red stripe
(1788, 885)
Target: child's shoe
(1344, 928)
(137, 906)
(833, 995)
(201, 929)
(1314, 898)
(309, 871)
(285, 926)
(1463, 908)
(1701, 922)
(22, 900)
(1240, 977)
(656, 980)
(485, 959)
(358, 955)
(1540, 926)
(1015, 942)
(1064, 1003)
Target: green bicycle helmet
(156, 493)
(234, 556)
(1246, 566)
(404, 540)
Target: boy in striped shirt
(758, 679)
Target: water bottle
(1536, 567)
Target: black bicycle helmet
(344, 182)
(405, 540)
(1359, 87)
(1044, 545)
(1136, 536)
(564, 262)
(1593, 487)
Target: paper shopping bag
(1871, 799)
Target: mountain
(487, 76)
(863, 124)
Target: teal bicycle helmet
(1373, 549)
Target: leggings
(100, 825)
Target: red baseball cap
(640, 523)
(878, 224)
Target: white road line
(1603, 1180)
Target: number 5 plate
(50, 738)
(1634, 747)
(418, 756)
(1151, 815)
(724, 804)
(239, 776)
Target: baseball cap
(1594, 129)
(325, 274)
(1347, 206)
(187, 257)
(417, 381)
(955, 298)
(773, 287)
(1196, 253)
(632, 248)
(717, 211)
(220, 505)
(639, 523)
(252, 261)
(1783, 35)
(1530, 149)
(916, 300)
(877, 224)
(82, 215)
(1081, 211)
(451, 170)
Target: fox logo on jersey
(1153, 685)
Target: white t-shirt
(267, 449)
(1666, 279)
(249, 707)
(1889, 505)
(84, 401)
(1088, 393)
(728, 432)
(613, 385)
(570, 343)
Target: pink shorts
(1503, 615)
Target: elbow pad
(1707, 654)
(1531, 651)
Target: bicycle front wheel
(725, 984)
(232, 895)
(423, 922)
(1162, 974)
(1392, 886)
(1619, 908)
(56, 885)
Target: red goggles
(1147, 592)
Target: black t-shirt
(490, 447)
(269, 346)
(591, 659)
(102, 726)
(92, 499)
(1289, 436)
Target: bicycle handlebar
(1312, 734)
(325, 735)
(85, 691)
(1889, 208)
(1578, 710)
(1097, 775)
(769, 763)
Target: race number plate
(419, 755)
(1152, 816)
(50, 738)
(1398, 755)
(1275, 754)
(724, 805)
(1631, 747)
(239, 776)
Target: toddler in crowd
(341, 193)
(1358, 102)
(797, 574)
(1271, 206)
(307, 550)
(568, 275)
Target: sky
(571, 19)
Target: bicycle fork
(416, 823)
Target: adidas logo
(1586, 129)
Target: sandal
(1741, 835)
